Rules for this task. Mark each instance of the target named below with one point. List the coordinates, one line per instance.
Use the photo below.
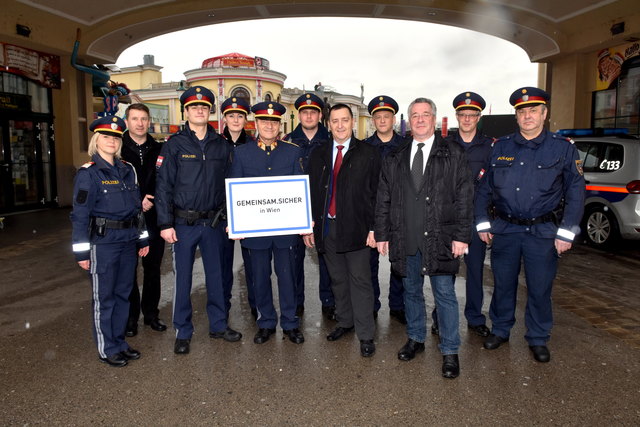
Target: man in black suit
(423, 220)
(343, 178)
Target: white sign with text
(268, 206)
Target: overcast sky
(402, 59)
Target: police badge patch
(579, 167)
(159, 162)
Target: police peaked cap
(268, 110)
(469, 100)
(528, 96)
(197, 95)
(235, 105)
(109, 125)
(309, 100)
(383, 102)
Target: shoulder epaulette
(88, 165)
(565, 138)
(290, 143)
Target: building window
(241, 92)
(619, 106)
(268, 97)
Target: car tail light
(634, 187)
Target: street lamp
(292, 116)
(181, 89)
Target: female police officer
(106, 232)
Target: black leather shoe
(156, 324)
(494, 341)
(450, 366)
(367, 348)
(254, 312)
(131, 354)
(132, 328)
(329, 312)
(409, 350)
(481, 330)
(300, 310)
(338, 332)
(181, 346)
(227, 335)
(116, 360)
(295, 336)
(435, 330)
(399, 315)
(540, 353)
(263, 335)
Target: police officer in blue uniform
(107, 229)
(271, 157)
(308, 135)
(468, 106)
(234, 111)
(190, 201)
(383, 110)
(534, 180)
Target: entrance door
(26, 165)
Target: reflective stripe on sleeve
(566, 234)
(483, 226)
(144, 234)
(81, 247)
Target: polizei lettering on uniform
(263, 202)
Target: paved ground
(50, 374)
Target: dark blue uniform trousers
(540, 265)
(396, 290)
(324, 284)
(211, 242)
(112, 267)
(227, 274)
(284, 264)
(475, 294)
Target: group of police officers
(136, 193)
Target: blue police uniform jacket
(249, 161)
(527, 179)
(106, 191)
(478, 154)
(385, 147)
(191, 175)
(307, 145)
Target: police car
(611, 163)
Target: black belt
(116, 225)
(548, 217)
(193, 216)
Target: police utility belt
(192, 216)
(99, 225)
(548, 217)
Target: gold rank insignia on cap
(114, 120)
(233, 99)
(308, 96)
(467, 94)
(197, 89)
(381, 98)
(524, 91)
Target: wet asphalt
(50, 373)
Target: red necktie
(334, 186)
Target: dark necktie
(417, 167)
(334, 186)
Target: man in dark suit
(423, 220)
(343, 176)
(271, 157)
(141, 150)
